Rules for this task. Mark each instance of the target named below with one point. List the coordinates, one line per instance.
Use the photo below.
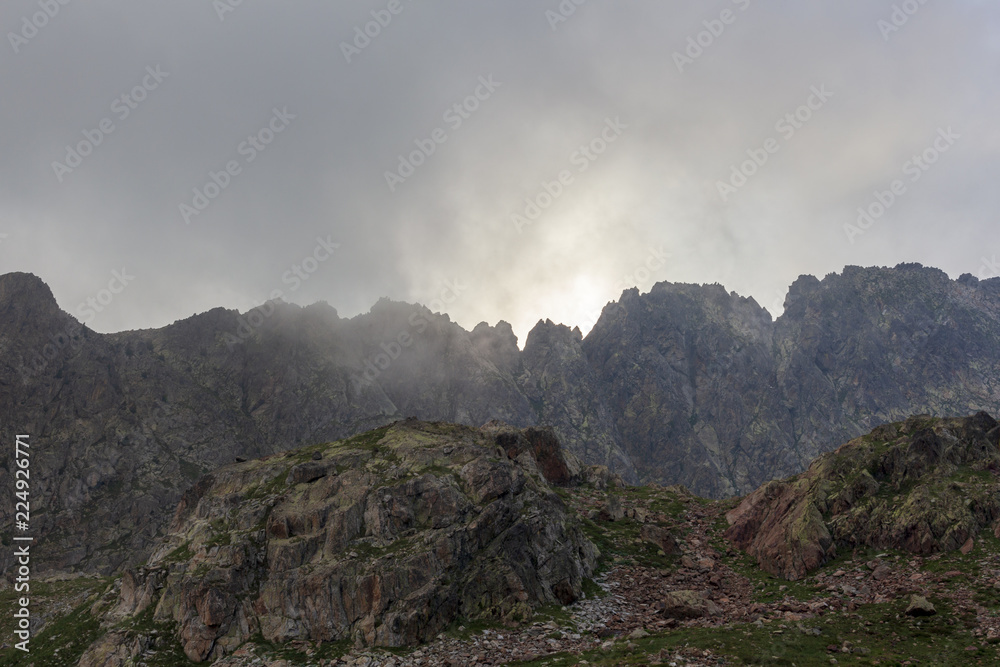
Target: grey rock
(920, 606)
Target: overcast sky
(622, 122)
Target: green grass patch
(167, 651)
(181, 554)
(876, 634)
(272, 487)
(554, 613)
(220, 539)
(368, 440)
(619, 542)
(305, 454)
(320, 650)
(61, 642)
(592, 589)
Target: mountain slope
(924, 485)
(438, 545)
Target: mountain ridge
(685, 384)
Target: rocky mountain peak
(24, 296)
(547, 333)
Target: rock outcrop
(385, 539)
(923, 485)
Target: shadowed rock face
(541, 448)
(684, 385)
(923, 485)
(566, 393)
(390, 537)
(689, 374)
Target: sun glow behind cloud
(647, 204)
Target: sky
(501, 160)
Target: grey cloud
(655, 187)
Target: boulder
(661, 537)
(308, 472)
(920, 606)
(555, 463)
(686, 604)
(612, 510)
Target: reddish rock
(542, 444)
(966, 548)
(612, 510)
(793, 526)
(782, 528)
(661, 537)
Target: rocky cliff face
(707, 391)
(385, 539)
(566, 393)
(924, 485)
(872, 346)
(689, 374)
(686, 384)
